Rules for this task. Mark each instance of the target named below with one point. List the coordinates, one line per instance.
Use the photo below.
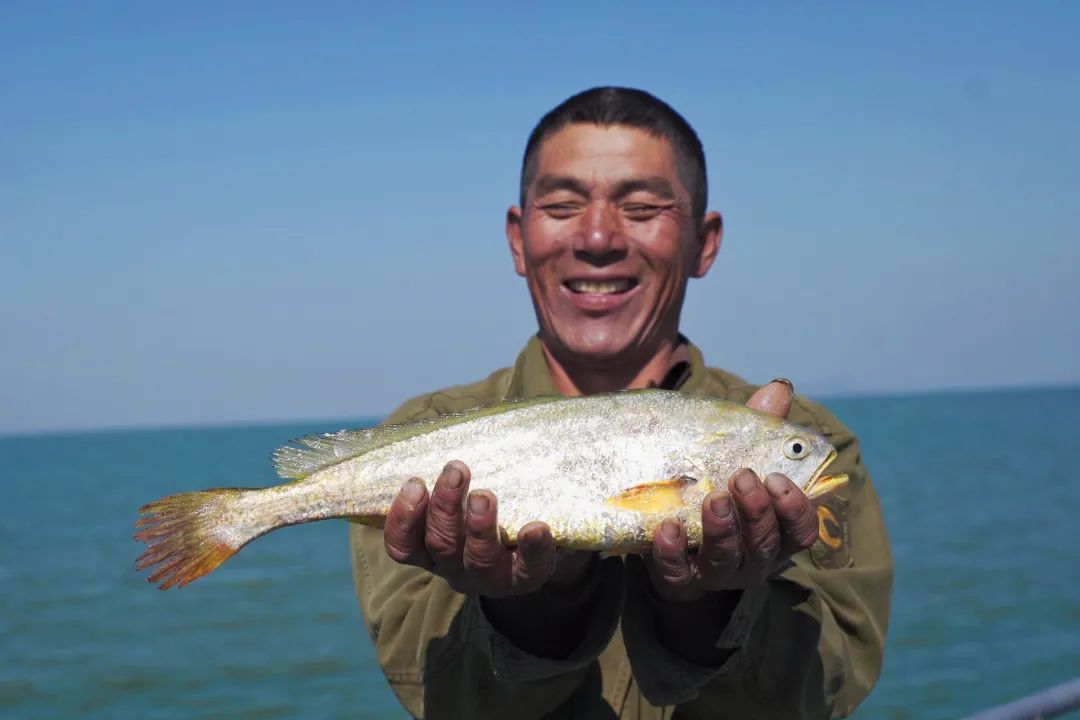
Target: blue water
(981, 494)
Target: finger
(403, 531)
(486, 561)
(671, 571)
(759, 529)
(534, 560)
(794, 512)
(720, 552)
(444, 536)
(773, 398)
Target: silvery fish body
(602, 471)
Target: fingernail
(745, 482)
(777, 485)
(670, 530)
(452, 475)
(533, 535)
(721, 506)
(413, 492)
(784, 381)
(478, 503)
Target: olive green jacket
(807, 644)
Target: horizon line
(823, 397)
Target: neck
(573, 377)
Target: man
(782, 611)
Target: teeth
(599, 288)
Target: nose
(600, 236)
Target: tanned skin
(607, 242)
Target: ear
(709, 237)
(513, 237)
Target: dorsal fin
(307, 455)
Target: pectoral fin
(663, 496)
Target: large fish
(602, 471)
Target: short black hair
(606, 106)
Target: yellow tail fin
(184, 536)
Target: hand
(465, 549)
(749, 530)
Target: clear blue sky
(232, 212)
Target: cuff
(603, 591)
(664, 677)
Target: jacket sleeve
(440, 654)
(808, 644)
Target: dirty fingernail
(721, 506)
(777, 485)
(670, 530)
(413, 492)
(478, 504)
(784, 381)
(453, 476)
(745, 482)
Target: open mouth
(821, 485)
(601, 287)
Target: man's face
(607, 242)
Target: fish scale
(602, 471)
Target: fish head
(803, 456)
(781, 446)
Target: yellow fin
(656, 497)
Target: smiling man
(608, 236)
(782, 610)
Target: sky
(218, 213)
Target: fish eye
(796, 447)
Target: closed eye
(641, 210)
(562, 209)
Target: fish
(603, 471)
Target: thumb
(773, 398)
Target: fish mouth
(820, 484)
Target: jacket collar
(531, 377)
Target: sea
(981, 495)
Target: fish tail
(189, 535)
